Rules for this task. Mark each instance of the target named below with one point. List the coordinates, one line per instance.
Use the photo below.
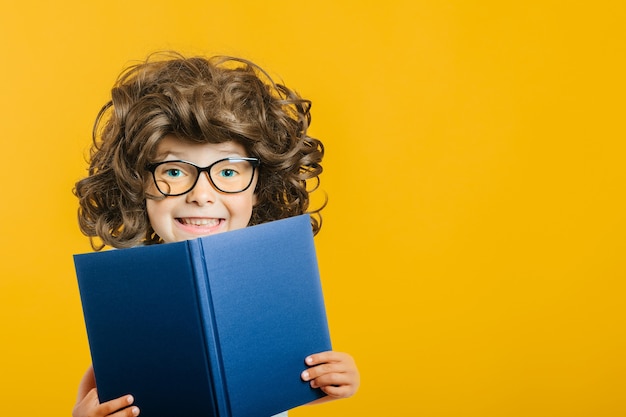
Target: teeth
(200, 222)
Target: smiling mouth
(203, 222)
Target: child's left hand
(335, 373)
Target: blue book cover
(217, 326)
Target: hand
(335, 373)
(88, 404)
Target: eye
(228, 173)
(173, 173)
(175, 170)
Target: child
(188, 147)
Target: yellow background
(473, 248)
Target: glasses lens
(175, 177)
(232, 175)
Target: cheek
(246, 205)
(240, 210)
(155, 210)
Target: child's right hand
(88, 404)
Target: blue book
(216, 326)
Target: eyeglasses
(228, 175)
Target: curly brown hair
(205, 100)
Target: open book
(216, 326)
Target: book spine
(207, 316)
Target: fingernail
(135, 411)
(309, 360)
(305, 375)
(130, 399)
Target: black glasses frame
(255, 162)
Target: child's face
(203, 210)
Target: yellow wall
(473, 248)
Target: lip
(200, 226)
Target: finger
(343, 391)
(323, 369)
(336, 379)
(127, 412)
(323, 357)
(341, 385)
(319, 370)
(118, 407)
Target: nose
(203, 192)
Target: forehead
(174, 147)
